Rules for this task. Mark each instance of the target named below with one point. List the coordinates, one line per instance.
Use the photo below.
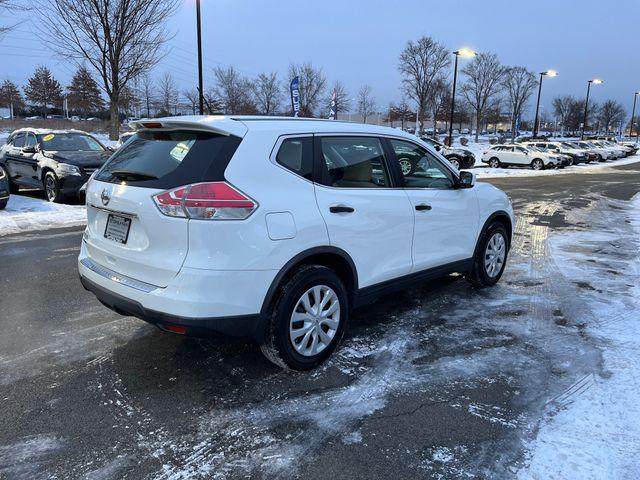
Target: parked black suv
(4, 189)
(56, 161)
(459, 157)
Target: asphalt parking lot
(442, 381)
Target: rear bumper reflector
(116, 277)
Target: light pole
(465, 53)
(633, 114)
(548, 73)
(200, 93)
(595, 81)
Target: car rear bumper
(204, 302)
(249, 326)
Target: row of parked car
(557, 154)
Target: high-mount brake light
(152, 125)
(205, 201)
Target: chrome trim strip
(116, 212)
(116, 277)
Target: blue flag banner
(333, 114)
(295, 96)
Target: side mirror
(110, 149)
(437, 147)
(29, 149)
(467, 179)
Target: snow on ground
(592, 430)
(25, 214)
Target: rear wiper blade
(131, 175)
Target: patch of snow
(25, 459)
(592, 428)
(25, 214)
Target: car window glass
(520, 149)
(420, 168)
(295, 154)
(354, 162)
(18, 141)
(31, 140)
(69, 142)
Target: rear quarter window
(160, 159)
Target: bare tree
(562, 109)
(119, 39)
(483, 81)
(8, 6)
(611, 114)
(519, 84)
(576, 113)
(267, 93)
(438, 101)
(366, 102)
(402, 111)
(146, 93)
(311, 86)
(234, 91)
(167, 94)
(193, 99)
(343, 103)
(422, 63)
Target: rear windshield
(69, 142)
(170, 159)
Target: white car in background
(516, 155)
(275, 228)
(607, 153)
(620, 151)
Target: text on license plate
(117, 228)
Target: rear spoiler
(213, 123)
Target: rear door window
(161, 159)
(353, 162)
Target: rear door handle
(341, 209)
(423, 206)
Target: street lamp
(200, 93)
(595, 81)
(548, 73)
(633, 114)
(464, 53)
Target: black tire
(600, 159)
(494, 162)
(278, 346)
(3, 203)
(455, 161)
(537, 164)
(478, 276)
(51, 186)
(13, 188)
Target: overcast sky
(358, 41)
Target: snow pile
(25, 214)
(592, 428)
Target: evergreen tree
(10, 95)
(83, 93)
(43, 90)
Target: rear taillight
(205, 201)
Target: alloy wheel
(405, 165)
(495, 254)
(50, 187)
(315, 320)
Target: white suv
(274, 228)
(507, 155)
